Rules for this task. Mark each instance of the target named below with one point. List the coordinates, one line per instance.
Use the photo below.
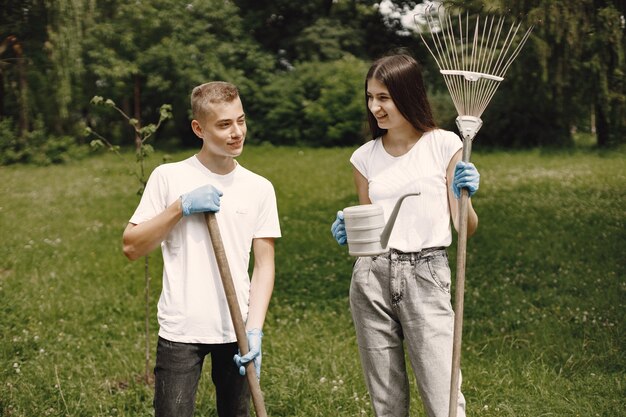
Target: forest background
(299, 65)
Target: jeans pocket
(359, 283)
(439, 270)
(361, 269)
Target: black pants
(177, 372)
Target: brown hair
(213, 92)
(402, 75)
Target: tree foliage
(164, 48)
(317, 104)
(579, 47)
(296, 63)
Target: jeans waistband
(413, 256)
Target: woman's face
(380, 103)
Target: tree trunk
(610, 101)
(137, 110)
(23, 99)
(602, 132)
(2, 92)
(610, 123)
(147, 371)
(328, 5)
(618, 122)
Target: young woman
(402, 297)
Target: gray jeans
(400, 297)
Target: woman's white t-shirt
(192, 307)
(424, 220)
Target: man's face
(223, 129)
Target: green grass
(544, 304)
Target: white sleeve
(153, 199)
(451, 145)
(359, 158)
(268, 224)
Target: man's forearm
(262, 284)
(261, 289)
(141, 239)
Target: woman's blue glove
(338, 229)
(254, 337)
(202, 199)
(465, 176)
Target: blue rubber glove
(202, 199)
(254, 354)
(465, 176)
(338, 229)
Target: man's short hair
(212, 92)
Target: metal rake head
(473, 55)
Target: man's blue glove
(338, 229)
(202, 199)
(254, 337)
(465, 176)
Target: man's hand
(202, 199)
(254, 337)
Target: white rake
(473, 55)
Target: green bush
(316, 104)
(10, 145)
(443, 109)
(37, 147)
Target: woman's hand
(338, 229)
(465, 176)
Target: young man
(193, 314)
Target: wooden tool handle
(235, 312)
(459, 291)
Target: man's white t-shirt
(424, 220)
(192, 307)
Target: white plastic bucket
(364, 224)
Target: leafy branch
(143, 133)
(142, 151)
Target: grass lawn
(544, 303)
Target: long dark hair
(402, 76)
